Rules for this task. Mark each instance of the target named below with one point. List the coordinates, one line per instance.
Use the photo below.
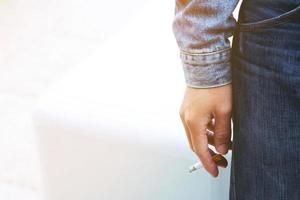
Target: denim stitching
(206, 59)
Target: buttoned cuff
(206, 70)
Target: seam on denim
(224, 63)
(204, 53)
(208, 86)
(270, 22)
(261, 27)
(207, 64)
(272, 19)
(201, 60)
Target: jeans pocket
(283, 18)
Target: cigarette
(217, 158)
(195, 166)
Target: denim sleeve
(202, 29)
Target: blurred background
(40, 41)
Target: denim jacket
(202, 29)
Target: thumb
(222, 132)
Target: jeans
(265, 56)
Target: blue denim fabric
(265, 56)
(202, 29)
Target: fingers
(200, 144)
(214, 130)
(210, 135)
(219, 159)
(211, 141)
(222, 131)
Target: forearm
(202, 29)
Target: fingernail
(222, 149)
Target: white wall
(41, 40)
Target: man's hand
(205, 109)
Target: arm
(202, 29)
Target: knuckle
(195, 120)
(199, 153)
(221, 134)
(225, 110)
(190, 119)
(221, 138)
